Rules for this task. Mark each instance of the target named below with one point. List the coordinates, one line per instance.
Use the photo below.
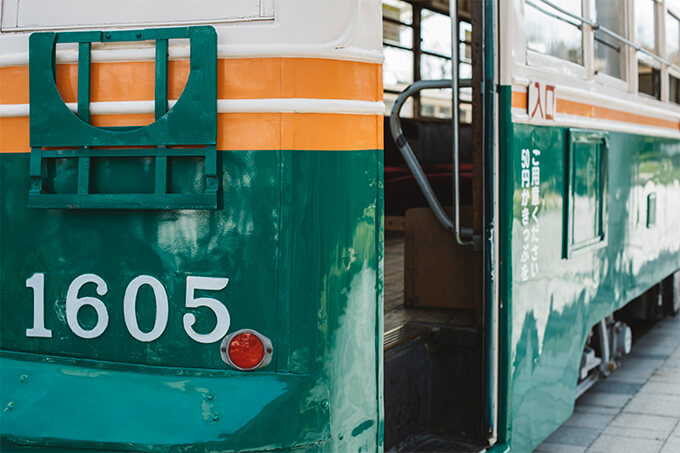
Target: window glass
(644, 24)
(397, 68)
(398, 11)
(436, 103)
(465, 39)
(465, 105)
(673, 38)
(649, 80)
(675, 89)
(435, 30)
(432, 67)
(609, 51)
(398, 35)
(552, 33)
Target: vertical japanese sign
(530, 201)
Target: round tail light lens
(246, 350)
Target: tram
(336, 225)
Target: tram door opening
(433, 286)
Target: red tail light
(246, 350)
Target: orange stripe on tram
(567, 107)
(247, 131)
(244, 78)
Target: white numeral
(130, 308)
(75, 303)
(37, 283)
(221, 313)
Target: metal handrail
(464, 236)
(597, 27)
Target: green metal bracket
(188, 129)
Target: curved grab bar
(464, 236)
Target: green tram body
(299, 234)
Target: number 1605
(74, 303)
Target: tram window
(397, 24)
(436, 33)
(552, 33)
(397, 75)
(398, 44)
(397, 68)
(649, 80)
(673, 37)
(609, 51)
(675, 90)
(465, 107)
(409, 57)
(432, 67)
(645, 30)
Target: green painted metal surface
(304, 263)
(192, 121)
(546, 317)
(70, 136)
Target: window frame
(670, 71)
(601, 77)
(536, 62)
(567, 67)
(417, 52)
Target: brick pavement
(635, 410)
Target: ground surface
(635, 410)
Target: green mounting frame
(188, 129)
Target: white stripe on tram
(292, 105)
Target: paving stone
(645, 354)
(567, 435)
(593, 420)
(612, 400)
(614, 386)
(676, 432)
(663, 425)
(672, 445)
(666, 374)
(656, 346)
(672, 363)
(662, 388)
(635, 433)
(591, 409)
(618, 444)
(636, 369)
(658, 341)
(654, 404)
(547, 447)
